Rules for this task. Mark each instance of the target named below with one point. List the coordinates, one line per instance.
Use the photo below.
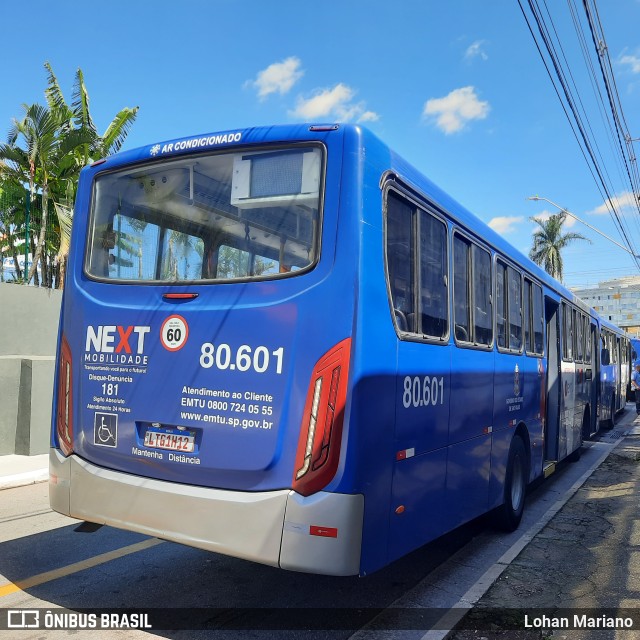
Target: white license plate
(170, 441)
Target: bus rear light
(321, 430)
(180, 296)
(311, 432)
(64, 414)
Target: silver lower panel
(270, 527)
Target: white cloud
(505, 224)
(336, 102)
(369, 116)
(476, 50)
(277, 77)
(456, 109)
(624, 202)
(632, 61)
(325, 102)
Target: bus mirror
(634, 355)
(604, 358)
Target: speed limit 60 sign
(174, 333)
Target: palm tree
(81, 145)
(34, 162)
(47, 149)
(548, 243)
(12, 220)
(87, 143)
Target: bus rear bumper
(318, 534)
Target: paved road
(114, 569)
(45, 563)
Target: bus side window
(501, 304)
(401, 261)
(579, 333)
(461, 297)
(434, 298)
(515, 309)
(483, 317)
(567, 337)
(527, 308)
(587, 341)
(538, 320)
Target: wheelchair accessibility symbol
(105, 429)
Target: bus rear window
(219, 217)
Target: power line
(567, 91)
(609, 126)
(612, 93)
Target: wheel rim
(517, 483)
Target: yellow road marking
(48, 576)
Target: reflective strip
(325, 532)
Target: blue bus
(635, 351)
(615, 374)
(287, 345)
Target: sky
(456, 87)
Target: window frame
(472, 243)
(535, 290)
(500, 259)
(568, 331)
(231, 150)
(578, 347)
(580, 335)
(588, 342)
(419, 207)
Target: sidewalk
(585, 561)
(17, 471)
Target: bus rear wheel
(508, 515)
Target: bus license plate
(170, 441)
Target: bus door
(554, 380)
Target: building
(617, 301)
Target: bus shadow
(202, 591)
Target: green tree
(549, 241)
(79, 129)
(48, 147)
(12, 221)
(34, 161)
(81, 145)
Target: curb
(24, 479)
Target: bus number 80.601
(422, 392)
(244, 358)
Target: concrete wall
(29, 322)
